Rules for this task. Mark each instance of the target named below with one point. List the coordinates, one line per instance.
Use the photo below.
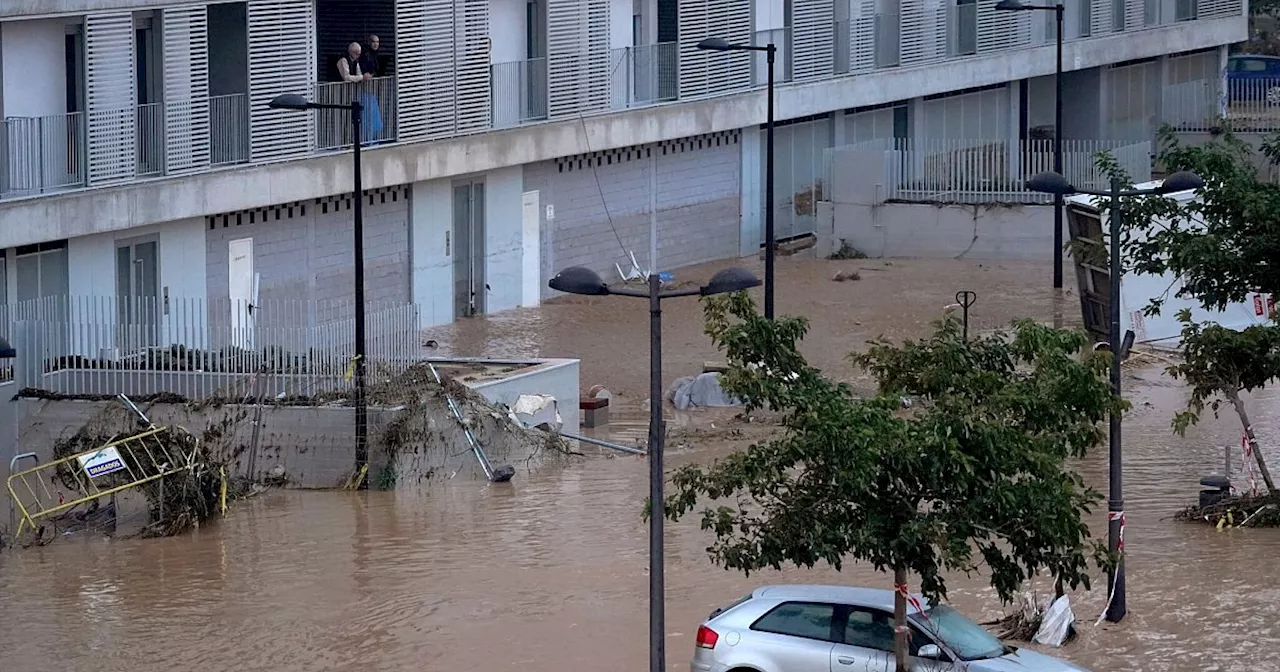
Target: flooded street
(548, 573)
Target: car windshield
(967, 639)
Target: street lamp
(1054, 183)
(770, 244)
(293, 101)
(1058, 205)
(579, 280)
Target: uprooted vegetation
(1236, 511)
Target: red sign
(1257, 304)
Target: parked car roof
(864, 597)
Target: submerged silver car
(846, 629)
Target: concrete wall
(924, 231)
(600, 198)
(176, 198)
(558, 378)
(303, 251)
(92, 259)
(34, 61)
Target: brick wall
(698, 199)
(304, 250)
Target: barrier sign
(101, 463)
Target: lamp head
(1183, 180)
(579, 280)
(715, 44)
(1050, 182)
(728, 280)
(1011, 6)
(289, 101)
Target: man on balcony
(350, 70)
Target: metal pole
(657, 605)
(1058, 203)
(1115, 499)
(770, 244)
(362, 412)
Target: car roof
(876, 598)
(1264, 57)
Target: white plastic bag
(1056, 624)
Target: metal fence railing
(150, 139)
(378, 121)
(978, 171)
(198, 347)
(519, 92)
(645, 74)
(229, 129)
(42, 154)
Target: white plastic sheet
(702, 390)
(1056, 624)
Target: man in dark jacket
(371, 61)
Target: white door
(240, 283)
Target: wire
(595, 173)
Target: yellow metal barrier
(116, 466)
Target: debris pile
(1236, 511)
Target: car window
(1253, 65)
(798, 619)
(967, 639)
(873, 629)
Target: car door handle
(845, 661)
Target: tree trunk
(900, 632)
(1234, 397)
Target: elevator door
(468, 253)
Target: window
(967, 639)
(1253, 65)
(799, 619)
(873, 629)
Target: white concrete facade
(703, 201)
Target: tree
(973, 474)
(1223, 249)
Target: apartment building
(507, 139)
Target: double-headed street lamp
(1054, 183)
(770, 243)
(1058, 9)
(579, 280)
(293, 101)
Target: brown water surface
(548, 573)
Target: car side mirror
(929, 651)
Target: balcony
(42, 154)
(377, 121)
(843, 62)
(962, 29)
(780, 38)
(518, 92)
(229, 129)
(149, 126)
(888, 41)
(644, 74)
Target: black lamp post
(1058, 10)
(579, 280)
(770, 243)
(1054, 183)
(293, 101)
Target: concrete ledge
(169, 199)
(926, 231)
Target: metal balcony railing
(888, 41)
(377, 122)
(150, 138)
(519, 92)
(42, 154)
(962, 29)
(841, 57)
(780, 38)
(644, 74)
(229, 129)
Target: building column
(1013, 137)
(1222, 102)
(752, 208)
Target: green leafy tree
(972, 474)
(1223, 248)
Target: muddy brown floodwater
(548, 573)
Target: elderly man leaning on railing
(351, 72)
